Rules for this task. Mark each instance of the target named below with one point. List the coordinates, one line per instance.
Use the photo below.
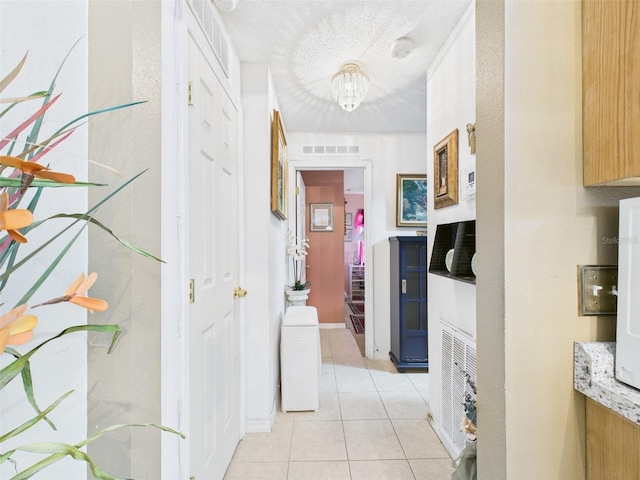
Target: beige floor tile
(359, 381)
(319, 471)
(328, 382)
(257, 471)
(266, 447)
(420, 380)
(381, 470)
(418, 439)
(327, 365)
(432, 469)
(318, 441)
(391, 382)
(361, 406)
(329, 409)
(372, 440)
(381, 364)
(404, 404)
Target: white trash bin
(300, 359)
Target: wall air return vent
(458, 358)
(331, 150)
(207, 18)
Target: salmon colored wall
(325, 261)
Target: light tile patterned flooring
(371, 425)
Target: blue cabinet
(409, 336)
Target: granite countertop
(594, 375)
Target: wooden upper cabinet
(611, 92)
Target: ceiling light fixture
(350, 86)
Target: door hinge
(190, 94)
(297, 190)
(192, 477)
(192, 293)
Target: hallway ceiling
(305, 42)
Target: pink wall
(354, 201)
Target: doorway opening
(349, 244)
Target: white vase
(297, 297)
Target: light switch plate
(597, 289)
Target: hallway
(371, 424)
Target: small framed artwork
(278, 168)
(347, 235)
(348, 219)
(321, 217)
(411, 200)
(445, 171)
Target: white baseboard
(332, 325)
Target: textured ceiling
(305, 42)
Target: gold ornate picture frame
(411, 200)
(445, 171)
(278, 168)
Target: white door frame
(339, 163)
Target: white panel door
(213, 265)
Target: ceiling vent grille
(204, 13)
(458, 359)
(331, 150)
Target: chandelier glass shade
(350, 86)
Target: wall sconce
(471, 133)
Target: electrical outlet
(598, 289)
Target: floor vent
(331, 150)
(204, 13)
(458, 360)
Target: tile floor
(371, 424)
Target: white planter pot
(297, 297)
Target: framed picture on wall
(278, 168)
(321, 217)
(348, 219)
(347, 235)
(445, 171)
(411, 200)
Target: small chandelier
(350, 86)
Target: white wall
(450, 105)
(265, 239)
(390, 154)
(536, 223)
(48, 30)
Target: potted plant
(297, 293)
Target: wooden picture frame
(445, 171)
(321, 217)
(278, 168)
(411, 200)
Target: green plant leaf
(6, 81)
(9, 372)
(42, 183)
(30, 423)
(60, 450)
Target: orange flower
(77, 293)
(12, 220)
(30, 170)
(16, 328)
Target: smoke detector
(226, 5)
(401, 47)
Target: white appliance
(628, 324)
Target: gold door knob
(239, 292)
(308, 266)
